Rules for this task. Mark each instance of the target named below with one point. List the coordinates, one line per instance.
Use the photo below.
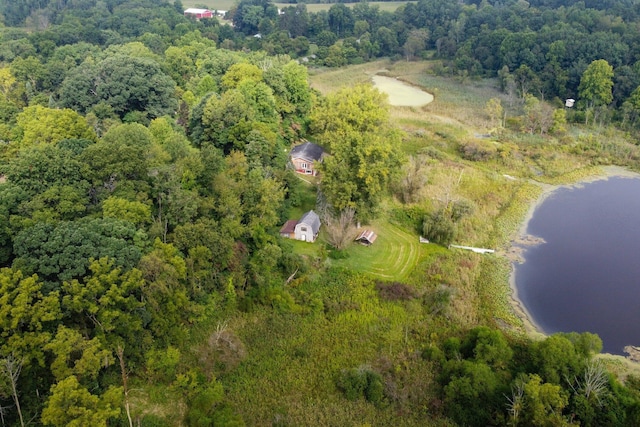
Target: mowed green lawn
(388, 6)
(393, 255)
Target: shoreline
(521, 238)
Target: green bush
(151, 420)
(338, 254)
(353, 383)
(439, 228)
(478, 151)
(374, 392)
(361, 382)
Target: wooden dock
(472, 249)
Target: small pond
(586, 274)
(400, 93)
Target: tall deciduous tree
(106, 304)
(41, 125)
(596, 86)
(364, 158)
(126, 83)
(27, 316)
(62, 251)
(71, 404)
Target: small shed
(288, 229)
(308, 227)
(193, 12)
(304, 156)
(367, 237)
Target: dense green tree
(415, 44)
(247, 202)
(174, 204)
(11, 197)
(38, 168)
(555, 359)
(221, 116)
(71, 404)
(205, 232)
(487, 345)
(180, 64)
(115, 161)
(41, 125)
(126, 83)
(540, 404)
(364, 152)
(165, 291)
(106, 303)
(77, 355)
(135, 212)
(249, 14)
(294, 20)
(473, 393)
(63, 251)
(596, 85)
(27, 316)
(341, 20)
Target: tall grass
(291, 372)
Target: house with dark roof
(306, 156)
(306, 229)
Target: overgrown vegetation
(144, 177)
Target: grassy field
(389, 6)
(210, 4)
(392, 257)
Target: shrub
(478, 151)
(438, 228)
(338, 254)
(151, 420)
(361, 382)
(460, 209)
(162, 364)
(395, 291)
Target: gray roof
(312, 220)
(307, 151)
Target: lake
(586, 276)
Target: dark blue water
(586, 277)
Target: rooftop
(307, 151)
(195, 10)
(312, 220)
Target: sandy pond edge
(521, 238)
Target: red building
(198, 13)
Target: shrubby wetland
(147, 173)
